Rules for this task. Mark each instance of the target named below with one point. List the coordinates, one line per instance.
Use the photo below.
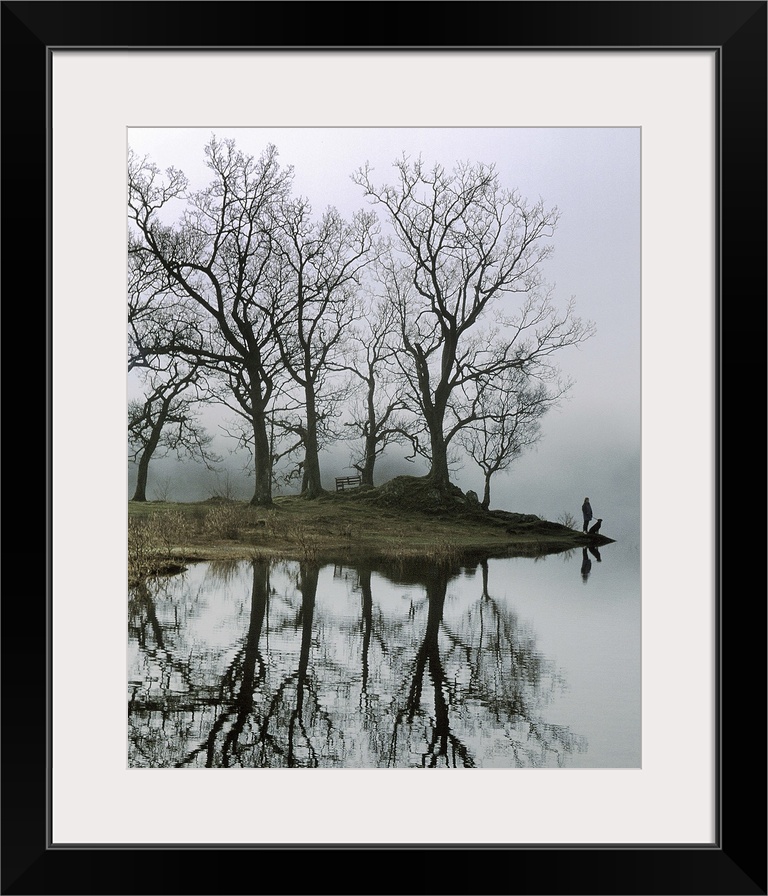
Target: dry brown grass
(394, 522)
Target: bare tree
(379, 417)
(465, 275)
(166, 421)
(214, 257)
(508, 413)
(318, 269)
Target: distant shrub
(567, 519)
(152, 541)
(226, 520)
(308, 542)
(141, 548)
(172, 530)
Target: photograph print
(383, 436)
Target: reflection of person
(586, 510)
(586, 564)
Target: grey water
(507, 663)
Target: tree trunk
(434, 412)
(486, 502)
(438, 473)
(311, 454)
(369, 457)
(141, 480)
(369, 462)
(149, 449)
(262, 462)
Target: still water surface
(511, 663)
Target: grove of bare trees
(423, 319)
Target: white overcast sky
(591, 446)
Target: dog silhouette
(594, 530)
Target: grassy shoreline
(402, 520)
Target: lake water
(512, 663)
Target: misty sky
(591, 444)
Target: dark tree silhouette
(315, 273)
(508, 410)
(463, 248)
(378, 418)
(167, 421)
(214, 259)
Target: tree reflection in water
(264, 664)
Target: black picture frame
(736, 862)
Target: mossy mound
(418, 495)
(415, 494)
